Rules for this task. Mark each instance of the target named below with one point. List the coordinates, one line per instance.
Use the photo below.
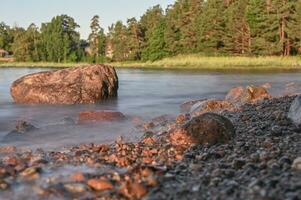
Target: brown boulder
(88, 84)
(215, 106)
(88, 116)
(250, 94)
(208, 128)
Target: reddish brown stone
(250, 94)
(215, 106)
(89, 84)
(78, 177)
(133, 190)
(100, 185)
(87, 116)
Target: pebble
(100, 185)
(75, 187)
(297, 164)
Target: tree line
(206, 27)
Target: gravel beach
(259, 162)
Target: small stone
(31, 173)
(297, 164)
(100, 116)
(238, 163)
(75, 187)
(100, 185)
(78, 177)
(3, 185)
(133, 190)
(7, 149)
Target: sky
(24, 12)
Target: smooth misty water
(143, 93)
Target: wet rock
(8, 149)
(208, 128)
(68, 121)
(78, 177)
(24, 126)
(100, 185)
(215, 106)
(294, 113)
(235, 94)
(3, 185)
(90, 116)
(297, 164)
(250, 94)
(162, 119)
(31, 173)
(89, 84)
(75, 187)
(267, 85)
(292, 89)
(181, 119)
(133, 190)
(186, 106)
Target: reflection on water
(144, 93)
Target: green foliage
(59, 38)
(6, 37)
(97, 41)
(156, 48)
(203, 27)
(212, 27)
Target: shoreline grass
(189, 62)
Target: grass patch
(190, 62)
(39, 65)
(218, 63)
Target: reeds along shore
(190, 62)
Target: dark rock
(208, 128)
(78, 85)
(294, 113)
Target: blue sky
(24, 12)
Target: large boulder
(212, 105)
(88, 84)
(208, 128)
(294, 113)
(250, 94)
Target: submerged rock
(186, 106)
(215, 106)
(250, 94)
(208, 128)
(292, 89)
(90, 116)
(23, 127)
(78, 85)
(295, 111)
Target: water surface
(143, 93)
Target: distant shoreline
(187, 62)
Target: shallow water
(143, 93)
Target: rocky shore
(258, 159)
